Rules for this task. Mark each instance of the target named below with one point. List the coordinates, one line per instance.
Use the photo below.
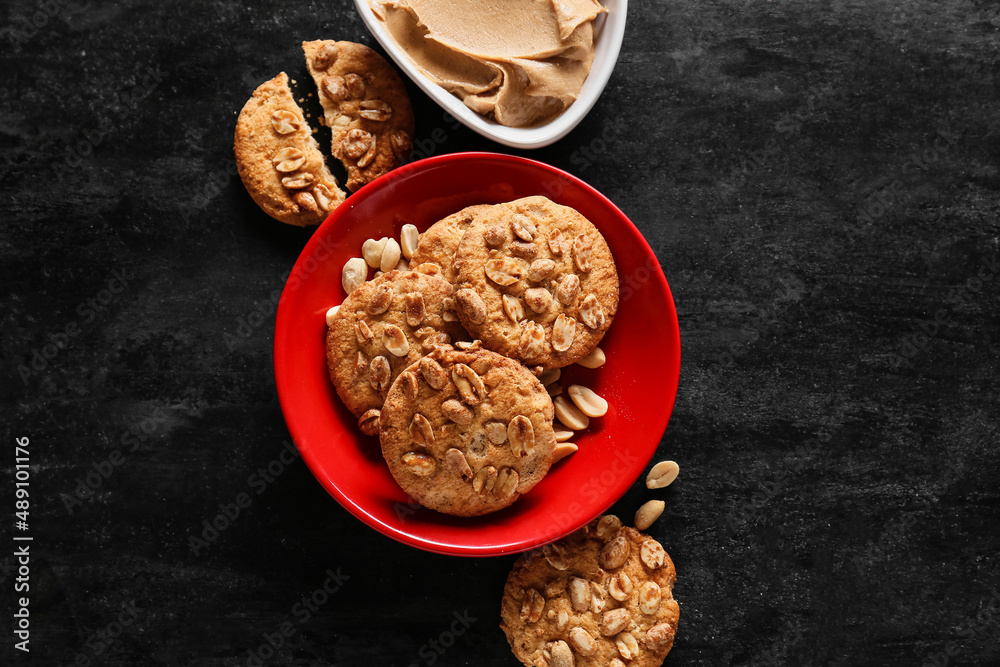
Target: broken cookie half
(279, 161)
(365, 106)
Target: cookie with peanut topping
(438, 244)
(365, 106)
(279, 161)
(601, 597)
(536, 282)
(381, 328)
(467, 431)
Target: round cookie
(536, 282)
(366, 108)
(279, 161)
(381, 328)
(466, 432)
(438, 244)
(601, 597)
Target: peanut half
(562, 450)
(589, 402)
(354, 275)
(390, 255)
(648, 513)
(409, 237)
(595, 359)
(569, 415)
(662, 475)
(549, 376)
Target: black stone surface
(820, 182)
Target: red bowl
(639, 379)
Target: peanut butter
(518, 62)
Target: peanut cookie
(466, 432)
(438, 244)
(279, 160)
(601, 597)
(382, 327)
(366, 108)
(536, 282)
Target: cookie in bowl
(467, 432)
(436, 248)
(381, 328)
(536, 281)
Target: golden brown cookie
(438, 244)
(601, 597)
(536, 282)
(466, 432)
(279, 161)
(382, 327)
(366, 108)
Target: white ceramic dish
(608, 34)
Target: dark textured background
(820, 182)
